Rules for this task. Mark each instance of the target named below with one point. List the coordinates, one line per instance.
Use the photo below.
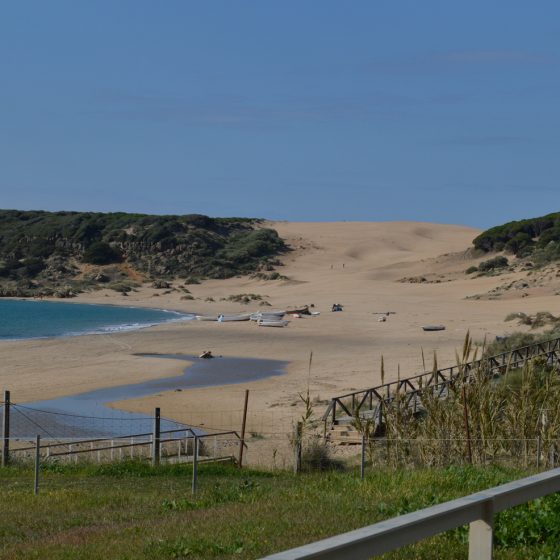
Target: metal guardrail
(477, 509)
(410, 389)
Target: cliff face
(42, 251)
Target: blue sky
(310, 110)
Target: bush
(101, 253)
(471, 269)
(256, 244)
(493, 264)
(316, 456)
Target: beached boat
(433, 328)
(299, 311)
(267, 315)
(206, 317)
(272, 323)
(240, 317)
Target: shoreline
(115, 327)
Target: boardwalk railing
(477, 509)
(370, 402)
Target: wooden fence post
(6, 430)
(156, 438)
(37, 464)
(298, 435)
(363, 458)
(243, 425)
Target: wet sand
(87, 414)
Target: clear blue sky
(300, 110)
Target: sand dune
(356, 264)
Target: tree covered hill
(535, 237)
(42, 250)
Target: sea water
(21, 319)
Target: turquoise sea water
(40, 319)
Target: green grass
(129, 510)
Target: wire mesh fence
(75, 438)
(78, 438)
(173, 446)
(27, 421)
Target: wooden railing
(370, 402)
(477, 509)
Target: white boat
(206, 317)
(269, 315)
(240, 317)
(272, 323)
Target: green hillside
(42, 251)
(535, 237)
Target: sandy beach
(359, 265)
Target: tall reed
(479, 417)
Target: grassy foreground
(129, 510)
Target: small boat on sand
(267, 315)
(299, 311)
(433, 328)
(272, 323)
(206, 317)
(227, 318)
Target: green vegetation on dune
(535, 237)
(40, 250)
(130, 510)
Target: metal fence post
(6, 430)
(481, 534)
(37, 464)
(156, 438)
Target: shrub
(493, 264)
(101, 253)
(471, 269)
(316, 456)
(256, 244)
